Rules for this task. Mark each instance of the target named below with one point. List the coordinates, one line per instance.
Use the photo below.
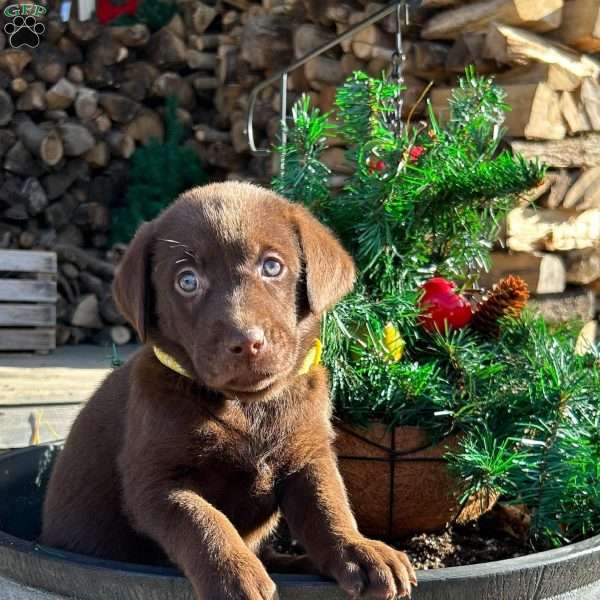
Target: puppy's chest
(250, 447)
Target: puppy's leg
(194, 534)
(316, 507)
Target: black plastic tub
(29, 571)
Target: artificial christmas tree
(516, 408)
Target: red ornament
(442, 307)
(415, 153)
(376, 164)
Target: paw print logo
(24, 32)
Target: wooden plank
(27, 290)
(48, 385)
(27, 261)
(580, 151)
(581, 25)
(538, 15)
(28, 314)
(23, 426)
(27, 339)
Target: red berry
(416, 152)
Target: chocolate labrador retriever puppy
(214, 428)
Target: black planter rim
(8, 543)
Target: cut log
(574, 113)
(543, 229)
(590, 97)
(202, 16)
(580, 26)
(49, 65)
(60, 95)
(70, 51)
(307, 37)
(86, 313)
(176, 26)
(568, 306)
(583, 266)
(323, 70)
(85, 261)
(575, 196)
(205, 133)
(543, 273)
(172, 84)
(84, 31)
(556, 77)
(13, 61)
(146, 126)
(45, 143)
(120, 335)
(77, 139)
(18, 85)
(372, 42)
(98, 156)
(118, 107)
(581, 151)
(107, 51)
(86, 103)
(56, 184)
(537, 15)
(36, 198)
(561, 182)
(267, 42)
(7, 108)
(510, 45)
(121, 144)
(20, 161)
(167, 50)
(200, 60)
(75, 74)
(131, 36)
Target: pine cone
(507, 298)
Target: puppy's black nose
(250, 342)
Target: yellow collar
(312, 359)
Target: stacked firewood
(72, 112)
(541, 51)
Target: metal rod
(374, 18)
(283, 122)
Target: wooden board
(23, 425)
(27, 339)
(27, 290)
(41, 385)
(27, 261)
(27, 314)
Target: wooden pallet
(27, 300)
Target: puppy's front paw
(246, 579)
(370, 569)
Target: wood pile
(73, 111)
(545, 53)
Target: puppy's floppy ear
(329, 269)
(132, 285)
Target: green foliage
(152, 13)
(160, 171)
(527, 407)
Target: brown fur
(201, 469)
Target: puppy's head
(231, 280)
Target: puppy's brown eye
(271, 267)
(187, 282)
